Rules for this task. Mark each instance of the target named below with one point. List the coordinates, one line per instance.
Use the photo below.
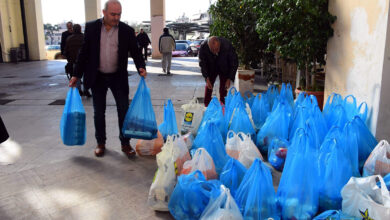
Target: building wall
(35, 32)
(11, 29)
(355, 53)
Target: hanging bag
(140, 121)
(169, 125)
(72, 126)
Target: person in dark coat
(217, 57)
(144, 41)
(65, 36)
(103, 61)
(3, 132)
(72, 48)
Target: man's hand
(142, 72)
(227, 84)
(73, 81)
(208, 84)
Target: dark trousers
(3, 132)
(121, 96)
(145, 49)
(222, 90)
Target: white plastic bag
(203, 162)
(193, 114)
(241, 147)
(165, 179)
(170, 162)
(224, 207)
(379, 160)
(361, 196)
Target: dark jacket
(225, 63)
(72, 47)
(143, 39)
(64, 37)
(88, 59)
(3, 132)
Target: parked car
(182, 50)
(53, 52)
(195, 46)
(184, 41)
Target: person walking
(217, 57)
(64, 37)
(72, 48)
(144, 41)
(166, 45)
(103, 61)
(3, 132)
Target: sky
(58, 11)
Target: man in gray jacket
(166, 45)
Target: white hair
(111, 1)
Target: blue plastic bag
(237, 101)
(169, 125)
(272, 93)
(334, 215)
(256, 195)
(333, 100)
(276, 125)
(191, 195)
(287, 94)
(335, 169)
(387, 181)
(232, 91)
(260, 110)
(214, 113)
(210, 138)
(298, 187)
(242, 123)
(140, 121)
(365, 140)
(277, 153)
(232, 174)
(249, 98)
(353, 110)
(72, 125)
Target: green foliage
(236, 20)
(297, 29)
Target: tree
(236, 20)
(298, 30)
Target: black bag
(3, 132)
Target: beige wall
(93, 9)
(355, 53)
(11, 31)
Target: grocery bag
(72, 125)
(241, 122)
(191, 195)
(214, 113)
(249, 98)
(256, 195)
(168, 126)
(223, 207)
(335, 215)
(210, 138)
(140, 121)
(363, 198)
(193, 114)
(232, 174)
(378, 163)
(260, 110)
(150, 147)
(241, 147)
(203, 162)
(277, 152)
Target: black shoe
(168, 73)
(86, 93)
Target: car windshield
(181, 46)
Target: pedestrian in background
(166, 45)
(144, 41)
(103, 61)
(65, 36)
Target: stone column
(157, 23)
(93, 10)
(34, 23)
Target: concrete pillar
(383, 125)
(34, 23)
(93, 10)
(356, 60)
(11, 31)
(157, 23)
